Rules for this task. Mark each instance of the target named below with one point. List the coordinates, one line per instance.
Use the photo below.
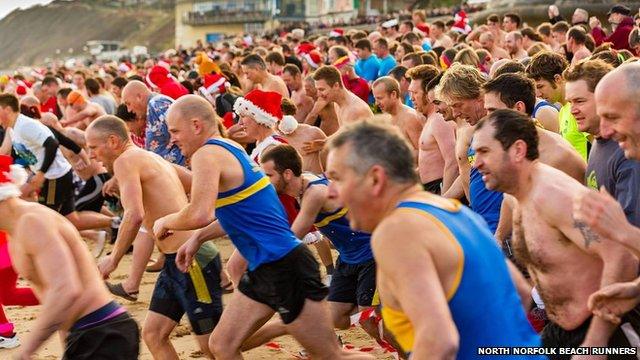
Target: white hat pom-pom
(18, 175)
(288, 124)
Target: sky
(7, 6)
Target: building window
(253, 27)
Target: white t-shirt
(27, 138)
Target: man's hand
(602, 214)
(107, 265)
(186, 252)
(311, 147)
(159, 229)
(110, 188)
(553, 11)
(594, 22)
(613, 301)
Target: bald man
(150, 188)
(84, 111)
(283, 275)
(487, 41)
(48, 251)
(153, 108)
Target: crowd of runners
(479, 184)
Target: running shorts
(353, 283)
(285, 284)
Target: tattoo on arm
(587, 233)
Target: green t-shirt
(569, 131)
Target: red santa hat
(213, 84)
(262, 106)
(12, 177)
(305, 48)
(158, 76)
(461, 24)
(422, 29)
(288, 125)
(21, 88)
(336, 32)
(314, 58)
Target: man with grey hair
(413, 234)
(580, 17)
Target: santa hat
(461, 24)
(288, 125)
(262, 106)
(21, 88)
(305, 48)
(336, 32)
(345, 60)
(423, 29)
(12, 177)
(158, 76)
(213, 84)
(314, 58)
(390, 23)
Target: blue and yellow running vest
(484, 303)
(485, 202)
(353, 246)
(252, 215)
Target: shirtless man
(487, 41)
(437, 164)
(432, 302)
(292, 77)
(222, 175)
(255, 70)
(349, 107)
(567, 261)
(576, 38)
(386, 92)
(47, 250)
(85, 111)
(140, 174)
(323, 114)
(513, 44)
(297, 135)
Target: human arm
(65, 141)
(455, 191)
(522, 285)
(311, 117)
(200, 211)
(187, 251)
(505, 224)
(399, 246)
(548, 117)
(56, 269)
(128, 176)
(185, 176)
(619, 265)
(6, 146)
(79, 116)
(596, 30)
(605, 216)
(446, 140)
(312, 202)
